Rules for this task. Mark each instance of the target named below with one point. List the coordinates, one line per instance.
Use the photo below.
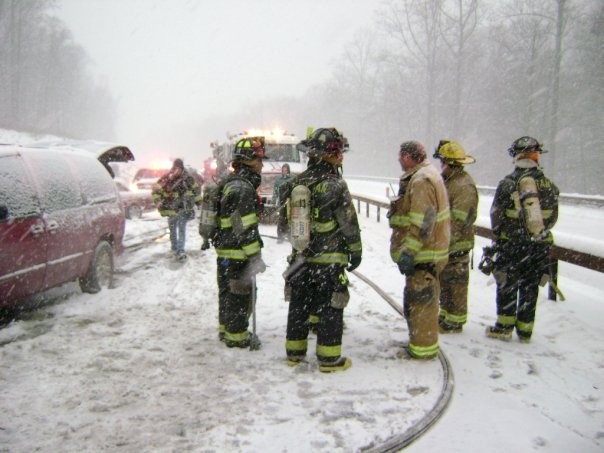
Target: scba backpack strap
(528, 205)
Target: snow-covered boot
(340, 364)
(498, 332)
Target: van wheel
(100, 274)
(134, 212)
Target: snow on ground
(139, 367)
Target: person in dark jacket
(238, 243)
(316, 275)
(524, 210)
(175, 195)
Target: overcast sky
(176, 62)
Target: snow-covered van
(60, 219)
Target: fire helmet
(323, 141)
(249, 148)
(525, 145)
(452, 153)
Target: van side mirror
(3, 213)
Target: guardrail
(568, 198)
(578, 258)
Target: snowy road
(139, 368)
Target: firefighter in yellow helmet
(463, 205)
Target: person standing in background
(175, 195)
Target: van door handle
(52, 226)
(36, 229)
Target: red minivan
(60, 220)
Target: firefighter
(419, 245)
(316, 275)
(237, 241)
(175, 195)
(463, 205)
(523, 212)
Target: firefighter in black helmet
(524, 210)
(237, 241)
(316, 275)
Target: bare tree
(459, 20)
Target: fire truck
(280, 149)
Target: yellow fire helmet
(453, 153)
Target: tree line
(480, 72)
(45, 86)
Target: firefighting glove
(406, 265)
(205, 245)
(354, 261)
(255, 265)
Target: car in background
(61, 219)
(144, 178)
(134, 202)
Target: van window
(16, 194)
(59, 189)
(95, 181)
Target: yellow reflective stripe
(526, 327)
(443, 215)
(296, 345)
(231, 254)
(431, 256)
(251, 249)
(329, 351)
(460, 215)
(399, 220)
(506, 321)
(313, 319)
(329, 258)
(324, 227)
(511, 213)
(416, 218)
(221, 328)
(547, 213)
(456, 319)
(412, 244)
(423, 351)
(249, 220)
(237, 337)
(396, 255)
(355, 247)
(168, 212)
(461, 246)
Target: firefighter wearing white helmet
(237, 241)
(524, 210)
(463, 204)
(316, 275)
